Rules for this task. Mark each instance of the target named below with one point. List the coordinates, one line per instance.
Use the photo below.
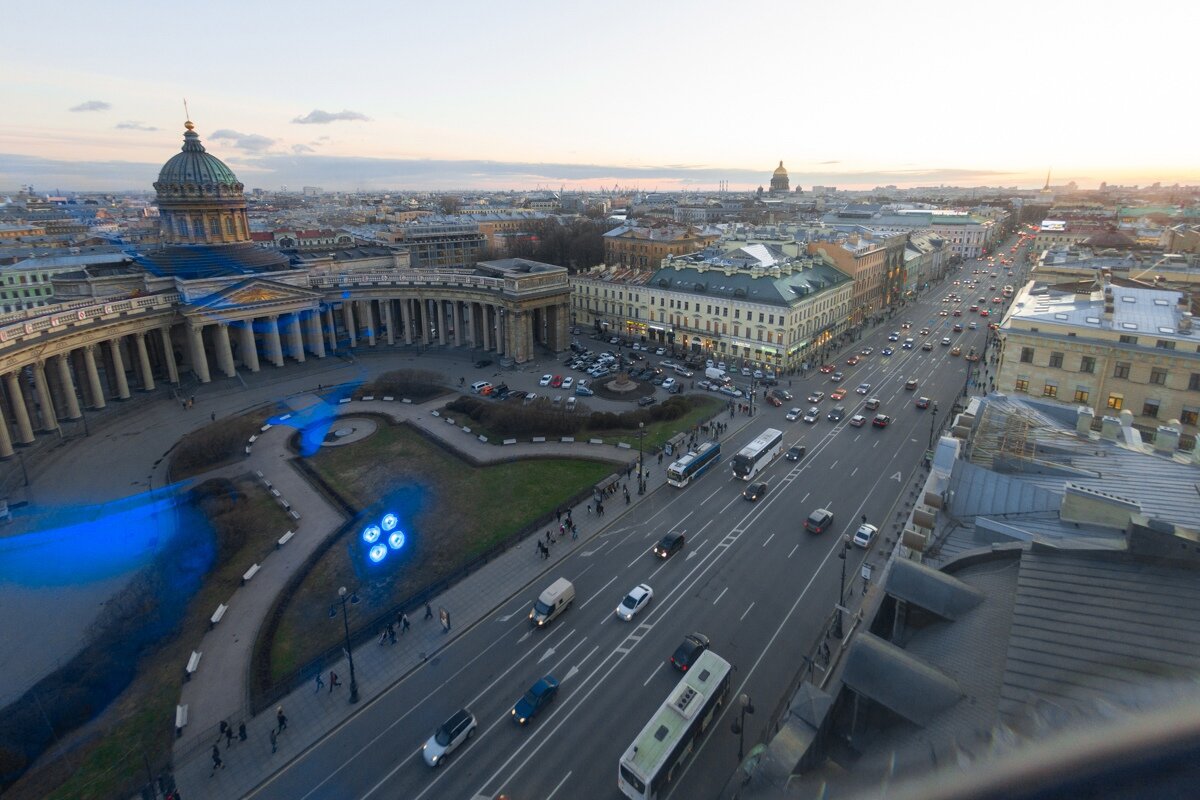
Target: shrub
(416, 384)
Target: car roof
(671, 537)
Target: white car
(660, 352)
(545, 381)
(858, 420)
(729, 390)
(568, 382)
(745, 372)
(863, 388)
(758, 374)
(793, 414)
(865, 535)
(813, 415)
(449, 735)
(638, 598)
(668, 383)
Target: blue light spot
(389, 522)
(370, 534)
(396, 540)
(377, 553)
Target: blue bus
(693, 465)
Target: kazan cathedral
(208, 302)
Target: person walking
(404, 624)
(228, 736)
(558, 515)
(281, 719)
(320, 685)
(383, 635)
(333, 681)
(241, 731)
(216, 759)
(428, 612)
(391, 633)
(589, 509)
(574, 532)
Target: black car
(646, 401)
(795, 453)
(836, 414)
(755, 491)
(669, 545)
(818, 521)
(686, 654)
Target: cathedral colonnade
(48, 381)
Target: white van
(552, 602)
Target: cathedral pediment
(254, 293)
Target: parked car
(646, 401)
(865, 535)
(545, 380)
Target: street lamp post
(641, 463)
(843, 555)
(739, 725)
(932, 424)
(353, 599)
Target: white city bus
(652, 761)
(694, 464)
(757, 454)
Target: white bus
(663, 746)
(757, 454)
(694, 464)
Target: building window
(1115, 402)
(1121, 370)
(1022, 385)
(1194, 382)
(1050, 390)
(1056, 360)
(1165, 344)
(1158, 376)
(1150, 408)
(1026, 355)
(1087, 364)
(1126, 339)
(1190, 415)
(1081, 395)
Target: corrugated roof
(893, 678)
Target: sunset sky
(664, 95)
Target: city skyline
(674, 97)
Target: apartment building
(644, 248)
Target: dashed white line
(602, 588)
(560, 785)
(769, 538)
(722, 594)
(853, 472)
(653, 672)
(747, 611)
(794, 549)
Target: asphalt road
(750, 578)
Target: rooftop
(1134, 311)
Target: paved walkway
(220, 694)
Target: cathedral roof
(194, 165)
(780, 170)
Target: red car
(984, 313)
(922, 402)
(851, 361)
(974, 308)
(881, 420)
(958, 312)
(557, 382)
(827, 368)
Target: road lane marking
(854, 472)
(769, 538)
(722, 594)
(560, 785)
(653, 672)
(794, 548)
(747, 611)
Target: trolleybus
(693, 465)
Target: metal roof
(931, 589)
(893, 678)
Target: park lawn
(140, 721)
(659, 433)
(451, 510)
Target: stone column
(68, 386)
(6, 448)
(485, 323)
(93, 376)
(44, 400)
(424, 323)
(199, 359)
(387, 321)
(316, 339)
(249, 347)
(295, 340)
(147, 374)
(330, 329)
(114, 346)
(441, 321)
(368, 315)
(224, 349)
(351, 330)
(169, 355)
(273, 346)
(12, 382)
(406, 320)
(470, 337)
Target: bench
(595, 441)
(344, 400)
(368, 398)
(624, 445)
(483, 438)
(568, 438)
(192, 664)
(217, 615)
(295, 514)
(538, 439)
(510, 441)
(287, 537)
(405, 400)
(247, 449)
(258, 474)
(250, 573)
(388, 398)
(253, 439)
(275, 492)
(181, 715)
(465, 429)
(265, 428)
(436, 413)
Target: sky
(663, 95)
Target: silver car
(449, 735)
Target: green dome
(195, 166)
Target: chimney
(1108, 303)
(1088, 506)
(1185, 321)
(1166, 440)
(1110, 428)
(1084, 417)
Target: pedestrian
(428, 612)
(241, 731)
(383, 636)
(333, 681)
(391, 632)
(660, 455)
(228, 736)
(558, 515)
(272, 740)
(627, 500)
(216, 759)
(213, 416)
(589, 509)
(548, 539)
(574, 533)
(224, 726)
(447, 620)
(320, 685)
(404, 624)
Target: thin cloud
(319, 117)
(134, 125)
(302, 148)
(250, 142)
(92, 105)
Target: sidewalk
(218, 690)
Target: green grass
(659, 433)
(451, 510)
